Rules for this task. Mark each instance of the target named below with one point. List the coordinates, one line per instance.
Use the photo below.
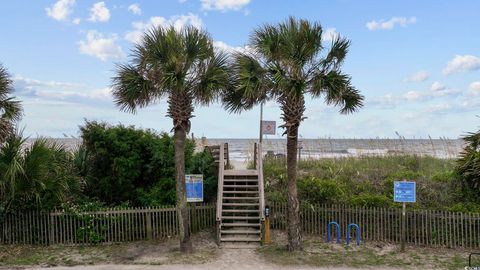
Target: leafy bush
(366, 181)
(123, 164)
(41, 176)
(468, 167)
(314, 190)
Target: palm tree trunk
(183, 214)
(293, 220)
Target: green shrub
(314, 190)
(468, 167)
(40, 176)
(371, 200)
(123, 164)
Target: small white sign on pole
(268, 128)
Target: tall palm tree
(10, 109)
(285, 64)
(182, 67)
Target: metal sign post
(404, 191)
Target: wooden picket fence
(423, 227)
(109, 225)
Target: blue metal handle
(329, 231)
(357, 228)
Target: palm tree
(284, 64)
(182, 67)
(10, 109)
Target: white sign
(268, 127)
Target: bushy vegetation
(368, 181)
(128, 165)
(468, 167)
(39, 176)
(114, 166)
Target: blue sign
(194, 187)
(404, 191)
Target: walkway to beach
(231, 259)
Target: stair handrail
(260, 180)
(221, 168)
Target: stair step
(240, 186)
(240, 204)
(240, 239)
(240, 180)
(240, 231)
(240, 210)
(240, 217)
(240, 192)
(240, 224)
(240, 198)
(240, 172)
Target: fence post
(149, 224)
(52, 231)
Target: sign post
(404, 192)
(194, 187)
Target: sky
(416, 62)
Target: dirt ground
(165, 255)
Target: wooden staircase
(240, 205)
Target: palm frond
(336, 55)
(131, 89)
(250, 84)
(213, 78)
(338, 91)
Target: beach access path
(230, 259)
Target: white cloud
(76, 21)
(99, 12)
(390, 24)
(101, 46)
(419, 76)
(60, 10)
(178, 21)
(437, 86)
(330, 35)
(439, 108)
(230, 49)
(462, 63)
(60, 91)
(224, 5)
(135, 9)
(413, 96)
(474, 88)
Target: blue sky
(416, 62)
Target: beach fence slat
(433, 228)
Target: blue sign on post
(404, 191)
(194, 187)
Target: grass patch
(151, 253)
(317, 253)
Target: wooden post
(404, 210)
(149, 232)
(266, 239)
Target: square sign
(404, 191)
(268, 127)
(194, 187)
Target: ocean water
(241, 150)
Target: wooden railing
(106, 226)
(259, 166)
(221, 168)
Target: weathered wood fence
(109, 225)
(423, 227)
